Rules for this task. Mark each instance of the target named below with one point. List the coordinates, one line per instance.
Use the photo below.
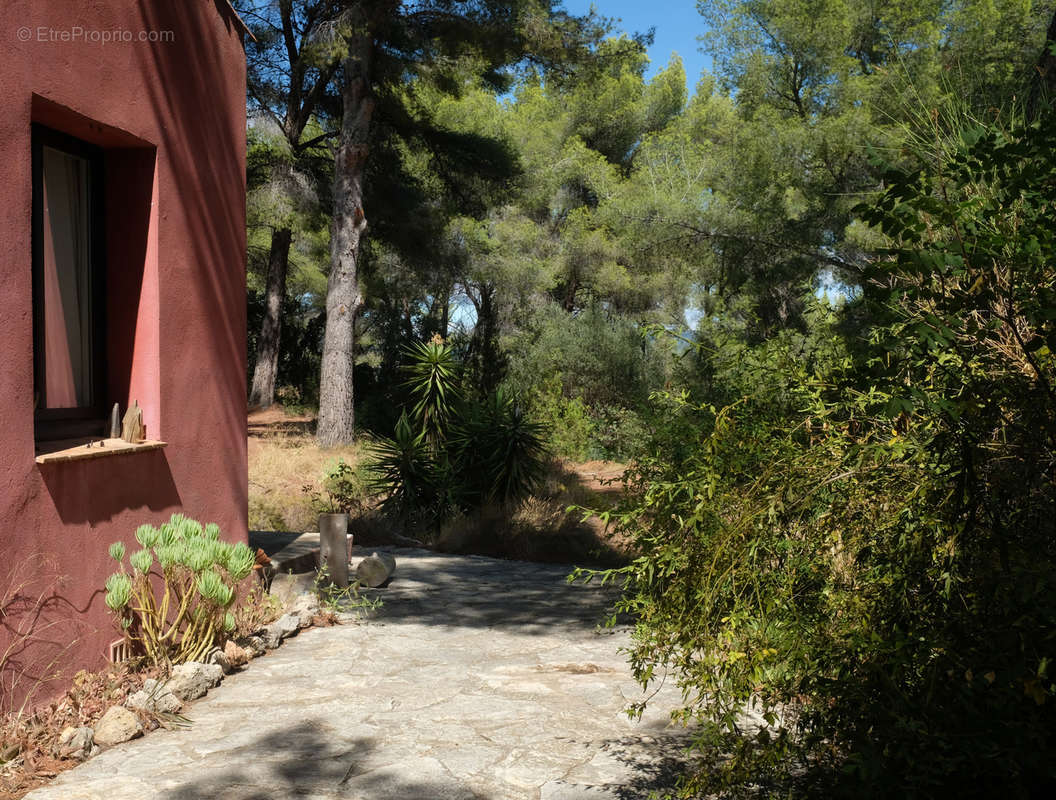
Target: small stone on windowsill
(82, 449)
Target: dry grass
(283, 459)
(29, 756)
(542, 528)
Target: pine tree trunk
(262, 393)
(343, 298)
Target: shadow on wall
(314, 759)
(97, 490)
(206, 150)
(36, 636)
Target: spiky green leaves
(118, 591)
(404, 471)
(453, 453)
(142, 561)
(500, 454)
(433, 382)
(212, 587)
(239, 562)
(147, 535)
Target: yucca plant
(404, 470)
(200, 576)
(433, 382)
(498, 452)
(449, 453)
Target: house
(122, 280)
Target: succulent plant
(142, 561)
(118, 590)
(240, 561)
(212, 587)
(200, 573)
(117, 552)
(147, 535)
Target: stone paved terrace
(478, 678)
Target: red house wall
(170, 114)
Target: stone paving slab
(478, 679)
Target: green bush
(601, 358)
(453, 453)
(345, 489)
(405, 471)
(860, 542)
(567, 418)
(498, 454)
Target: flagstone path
(477, 678)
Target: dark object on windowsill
(115, 422)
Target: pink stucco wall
(171, 117)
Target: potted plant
(341, 491)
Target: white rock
(154, 696)
(117, 725)
(76, 742)
(280, 629)
(218, 656)
(193, 680)
(305, 606)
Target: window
(68, 293)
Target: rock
(117, 725)
(256, 645)
(154, 697)
(217, 656)
(289, 586)
(236, 656)
(76, 742)
(193, 680)
(375, 569)
(282, 628)
(305, 608)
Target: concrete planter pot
(333, 547)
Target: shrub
(200, 576)
(861, 543)
(344, 489)
(600, 357)
(567, 418)
(405, 472)
(451, 453)
(255, 610)
(498, 454)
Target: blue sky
(677, 24)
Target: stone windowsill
(83, 449)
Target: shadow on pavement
(311, 760)
(479, 592)
(656, 763)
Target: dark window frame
(88, 421)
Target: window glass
(67, 280)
